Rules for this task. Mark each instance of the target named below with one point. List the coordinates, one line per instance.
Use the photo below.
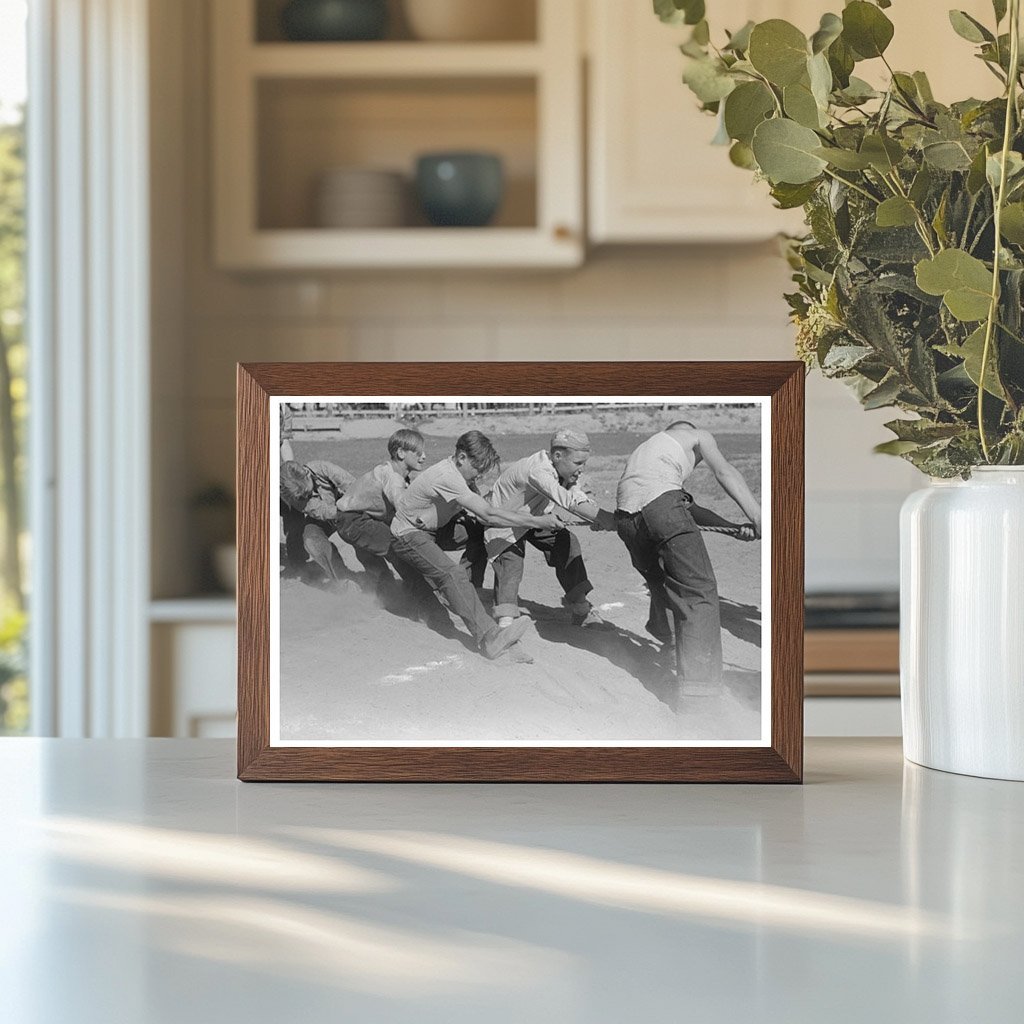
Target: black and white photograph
(545, 571)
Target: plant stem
(850, 184)
(922, 225)
(993, 309)
(768, 85)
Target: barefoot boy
(540, 484)
(433, 499)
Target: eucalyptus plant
(910, 278)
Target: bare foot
(518, 655)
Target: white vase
(962, 624)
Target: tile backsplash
(705, 303)
(698, 302)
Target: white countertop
(142, 885)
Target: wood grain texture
(781, 762)
(252, 485)
(787, 540)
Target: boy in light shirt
(542, 483)
(430, 502)
(366, 509)
(658, 522)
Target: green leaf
(701, 33)
(999, 6)
(745, 108)
(1014, 169)
(820, 76)
(924, 88)
(885, 394)
(676, 12)
(785, 152)
(800, 105)
(858, 91)
(968, 28)
(829, 30)
(921, 185)
(668, 12)
(896, 212)
(739, 41)
(694, 11)
(947, 156)
(866, 29)
(844, 159)
(971, 352)
(883, 153)
(741, 155)
(963, 281)
(778, 50)
(708, 81)
(1012, 224)
(906, 89)
(895, 447)
(923, 431)
(789, 197)
(976, 174)
(841, 60)
(939, 220)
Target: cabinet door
(654, 175)
(286, 113)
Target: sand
(351, 670)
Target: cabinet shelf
(392, 60)
(286, 114)
(310, 248)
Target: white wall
(653, 303)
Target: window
(14, 551)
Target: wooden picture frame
(780, 757)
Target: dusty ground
(352, 671)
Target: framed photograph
(521, 572)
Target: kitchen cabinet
(287, 113)
(193, 674)
(653, 175)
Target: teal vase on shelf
(332, 21)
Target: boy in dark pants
(542, 483)
(367, 508)
(430, 502)
(309, 509)
(655, 520)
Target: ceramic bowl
(460, 189)
(471, 20)
(334, 20)
(358, 197)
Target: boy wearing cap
(366, 509)
(656, 521)
(309, 509)
(431, 501)
(540, 484)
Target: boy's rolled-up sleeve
(571, 499)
